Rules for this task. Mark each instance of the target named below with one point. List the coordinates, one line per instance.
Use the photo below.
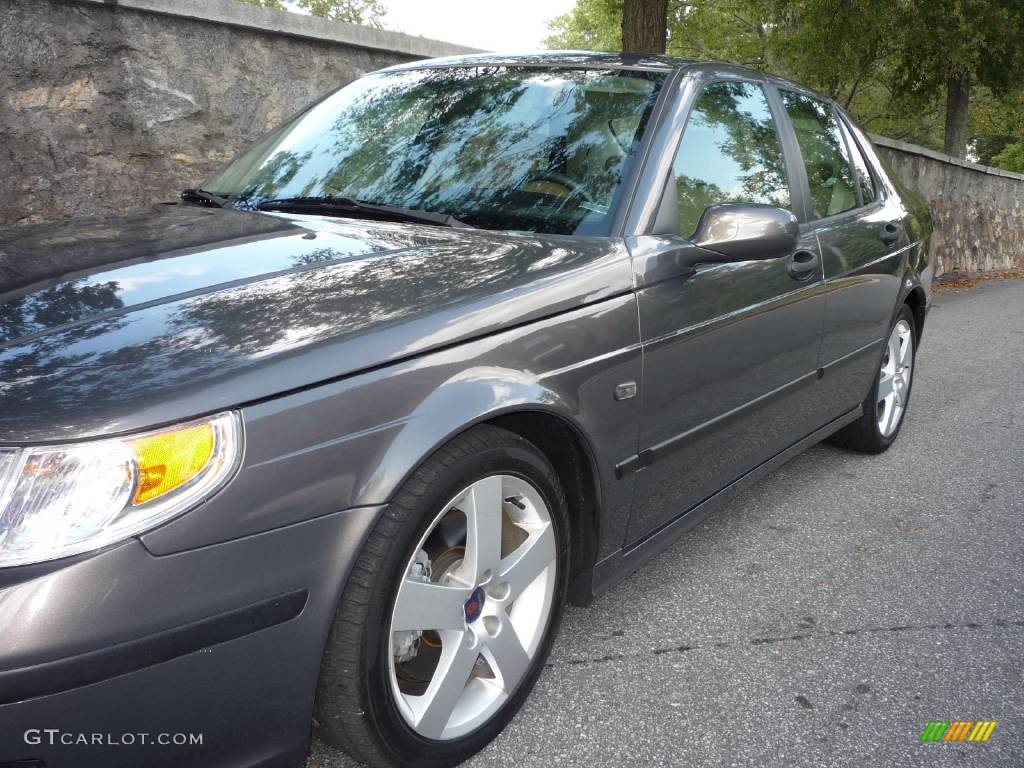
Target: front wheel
(889, 397)
(451, 607)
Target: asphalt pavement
(833, 610)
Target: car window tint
(864, 181)
(829, 171)
(730, 152)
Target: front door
(730, 352)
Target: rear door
(730, 351)
(862, 246)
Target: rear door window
(826, 158)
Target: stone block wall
(978, 211)
(109, 106)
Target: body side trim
(619, 565)
(665, 448)
(869, 347)
(95, 666)
(880, 259)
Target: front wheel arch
(573, 459)
(353, 711)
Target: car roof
(554, 59)
(600, 59)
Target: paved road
(833, 610)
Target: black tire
(355, 709)
(864, 435)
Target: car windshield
(514, 148)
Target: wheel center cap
(475, 605)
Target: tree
(850, 51)
(936, 72)
(994, 123)
(958, 45)
(644, 26)
(592, 25)
(366, 12)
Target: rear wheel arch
(866, 434)
(918, 306)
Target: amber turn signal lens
(168, 460)
(62, 500)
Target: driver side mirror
(746, 232)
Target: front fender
(469, 397)
(351, 443)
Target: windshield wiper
(349, 205)
(202, 196)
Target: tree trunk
(958, 97)
(644, 26)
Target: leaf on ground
(949, 282)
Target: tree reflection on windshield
(534, 149)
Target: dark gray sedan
(333, 439)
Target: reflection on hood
(159, 305)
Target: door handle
(803, 265)
(890, 233)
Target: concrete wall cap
(236, 14)
(914, 149)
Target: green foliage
(1011, 158)
(977, 39)
(995, 122)
(593, 25)
(366, 12)
(736, 30)
(886, 61)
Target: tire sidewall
(393, 733)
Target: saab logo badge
(958, 730)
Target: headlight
(61, 500)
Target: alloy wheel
(894, 378)
(472, 607)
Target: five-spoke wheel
(471, 610)
(894, 377)
(886, 404)
(450, 610)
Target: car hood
(114, 324)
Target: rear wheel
(451, 608)
(887, 402)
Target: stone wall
(978, 210)
(111, 107)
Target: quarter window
(829, 171)
(730, 152)
(865, 183)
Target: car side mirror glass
(746, 232)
